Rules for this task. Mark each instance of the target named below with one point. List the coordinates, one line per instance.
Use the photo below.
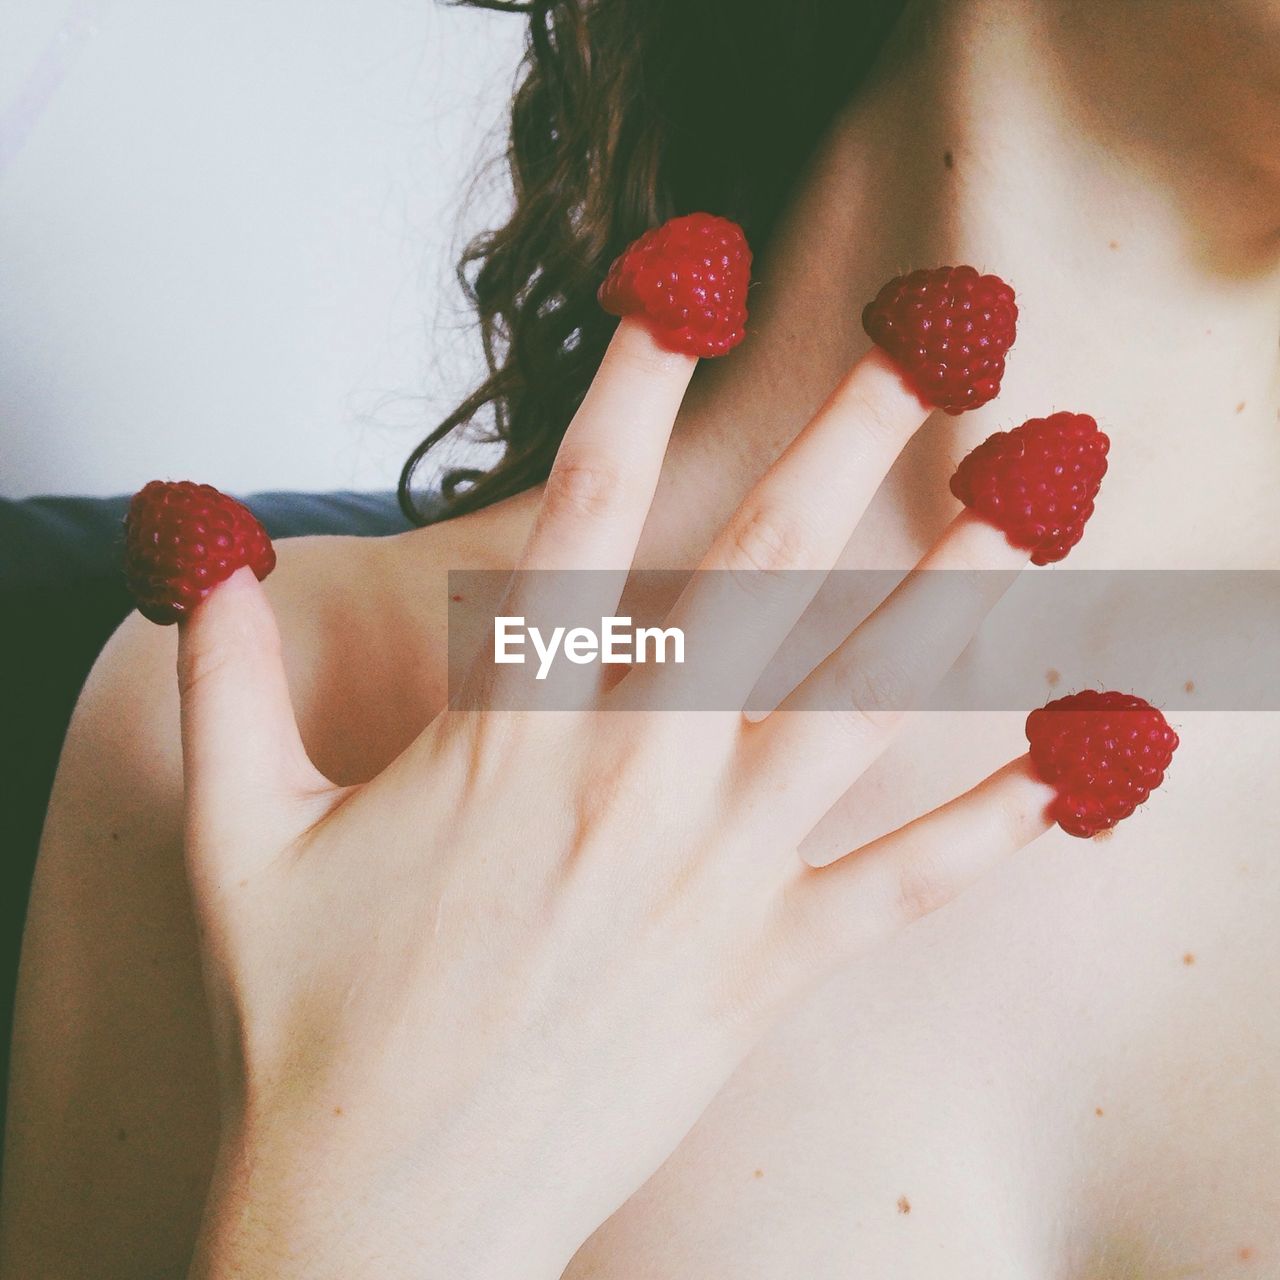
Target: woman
(1073, 1069)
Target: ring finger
(827, 732)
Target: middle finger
(764, 568)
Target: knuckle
(922, 886)
(873, 416)
(1014, 823)
(749, 990)
(805, 932)
(201, 667)
(767, 540)
(780, 954)
(240, 640)
(583, 488)
(878, 692)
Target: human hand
(464, 1010)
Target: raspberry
(1037, 482)
(181, 540)
(1104, 754)
(948, 330)
(688, 278)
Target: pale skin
(932, 1108)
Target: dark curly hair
(628, 112)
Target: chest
(1074, 1071)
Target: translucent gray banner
(877, 640)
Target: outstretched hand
(464, 1010)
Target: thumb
(244, 764)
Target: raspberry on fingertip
(1103, 753)
(181, 540)
(688, 280)
(948, 329)
(1038, 483)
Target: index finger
(575, 565)
(606, 469)
(682, 290)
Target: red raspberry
(181, 540)
(947, 329)
(1104, 753)
(688, 278)
(1037, 482)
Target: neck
(972, 148)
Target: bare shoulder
(364, 627)
(364, 624)
(112, 1115)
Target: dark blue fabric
(43, 537)
(61, 596)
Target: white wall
(227, 233)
